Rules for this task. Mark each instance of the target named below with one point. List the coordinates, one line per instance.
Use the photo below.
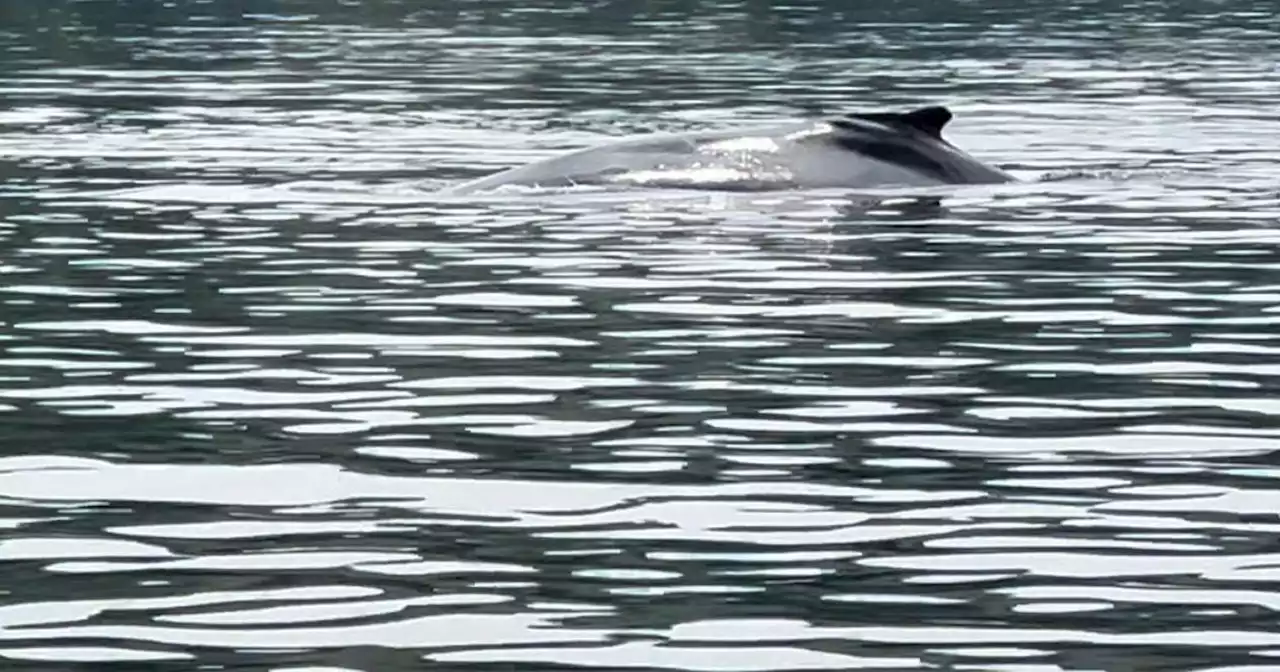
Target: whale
(852, 150)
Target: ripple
(270, 401)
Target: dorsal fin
(927, 120)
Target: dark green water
(266, 403)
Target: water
(268, 404)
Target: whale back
(854, 149)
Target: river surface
(268, 403)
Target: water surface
(268, 403)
